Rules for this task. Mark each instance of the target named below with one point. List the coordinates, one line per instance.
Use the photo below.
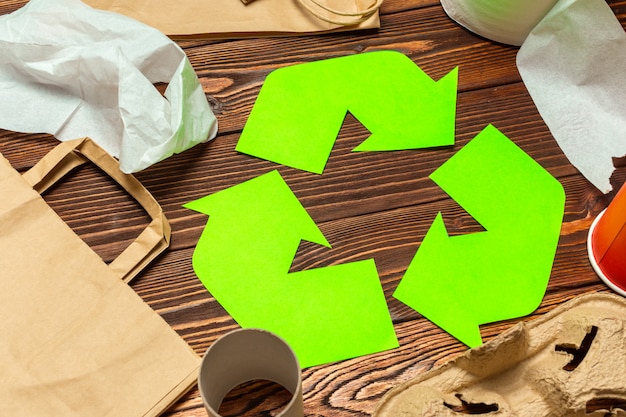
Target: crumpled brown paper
(570, 362)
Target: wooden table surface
(368, 205)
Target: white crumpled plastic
(73, 71)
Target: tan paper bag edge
(228, 19)
(174, 395)
(71, 154)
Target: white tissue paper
(573, 63)
(72, 71)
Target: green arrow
(243, 258)
(300, 109)
(463, 281)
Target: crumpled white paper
(573, 63)
(71, 71)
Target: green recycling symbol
(338, 312)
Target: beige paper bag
(75, 339)
(233, 18)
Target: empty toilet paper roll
(505, 21)
(570, 50)
(245, 355)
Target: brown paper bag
(75, 339)
(233, 18)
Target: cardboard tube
(606, 243)
(244, 355)
(505, 21)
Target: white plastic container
(505, 21)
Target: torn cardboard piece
(245, 355)
(73, 71)
(569, 362)
(234, 19)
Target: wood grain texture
(368, 205)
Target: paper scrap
(244, 256)
(300, 109)
(460, 282)
(73, 71)
(573, 65)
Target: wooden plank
(354, 184)
(369, 205)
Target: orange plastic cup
(606, 243)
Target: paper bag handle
(317, 8)
(71, 154)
